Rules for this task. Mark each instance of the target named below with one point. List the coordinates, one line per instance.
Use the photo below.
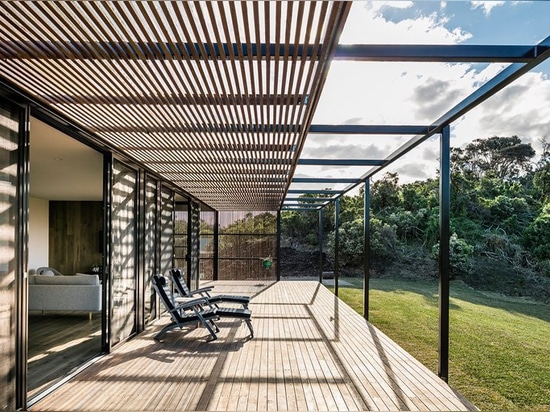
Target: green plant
(350, 245)
(537, 235)
(460, 255)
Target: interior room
(65, 255)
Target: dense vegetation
(500, 221)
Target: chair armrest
(189, 303)
(203, 290)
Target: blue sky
(418, 93)
(489, 22)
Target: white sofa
(80, 292)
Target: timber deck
(311, 352)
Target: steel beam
(298, 209)
(314, 191)
(437, 53)
(179, 99)
(305, 205)
(308, 199)
(76, 50)
(324, 180)
(367, 129)
(341, 162)
(200, 128)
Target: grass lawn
(500, 346)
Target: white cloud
(521, 109)
(418, 94)
(486, 6)
(378, 5)
(366, 24)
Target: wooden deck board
(310, 352)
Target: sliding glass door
(12, 288)
(123, 252)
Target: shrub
(509, 213)
(408, 225)
(350, 244)
(497, 244)
(461, 254)
(536, 236)
(383, 239)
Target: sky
(419, 93)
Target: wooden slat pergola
(216, 97)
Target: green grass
(499, 346)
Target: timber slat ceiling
(214, 96)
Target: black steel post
(444, 252)
(336, 243)
(16, 383)
(215, 266)
(320, 245)
(366, 249)
(278, 260)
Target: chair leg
(207, 326)
(214, 325)
(249, 324)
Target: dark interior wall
(75, 235)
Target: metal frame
(366, 249)
(444, 251)
(20, 288)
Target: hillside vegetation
(500, 222)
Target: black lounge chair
(183, 314)
(200, 308)
(184, 290)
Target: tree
(385, 192)
(500, 157)
(541, 177)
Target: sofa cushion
(66, 280)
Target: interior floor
(58, 344)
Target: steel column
(444, 252)
(18, 379)
(216, 266)
(278, 269)
(336, 243)
(320, 245)
(366, 249)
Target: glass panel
(166, 230)
(194, 253)
(9, 126)
(123, 265)
(150, 239)
(247, 245)
(206, 270)
(180, 236)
